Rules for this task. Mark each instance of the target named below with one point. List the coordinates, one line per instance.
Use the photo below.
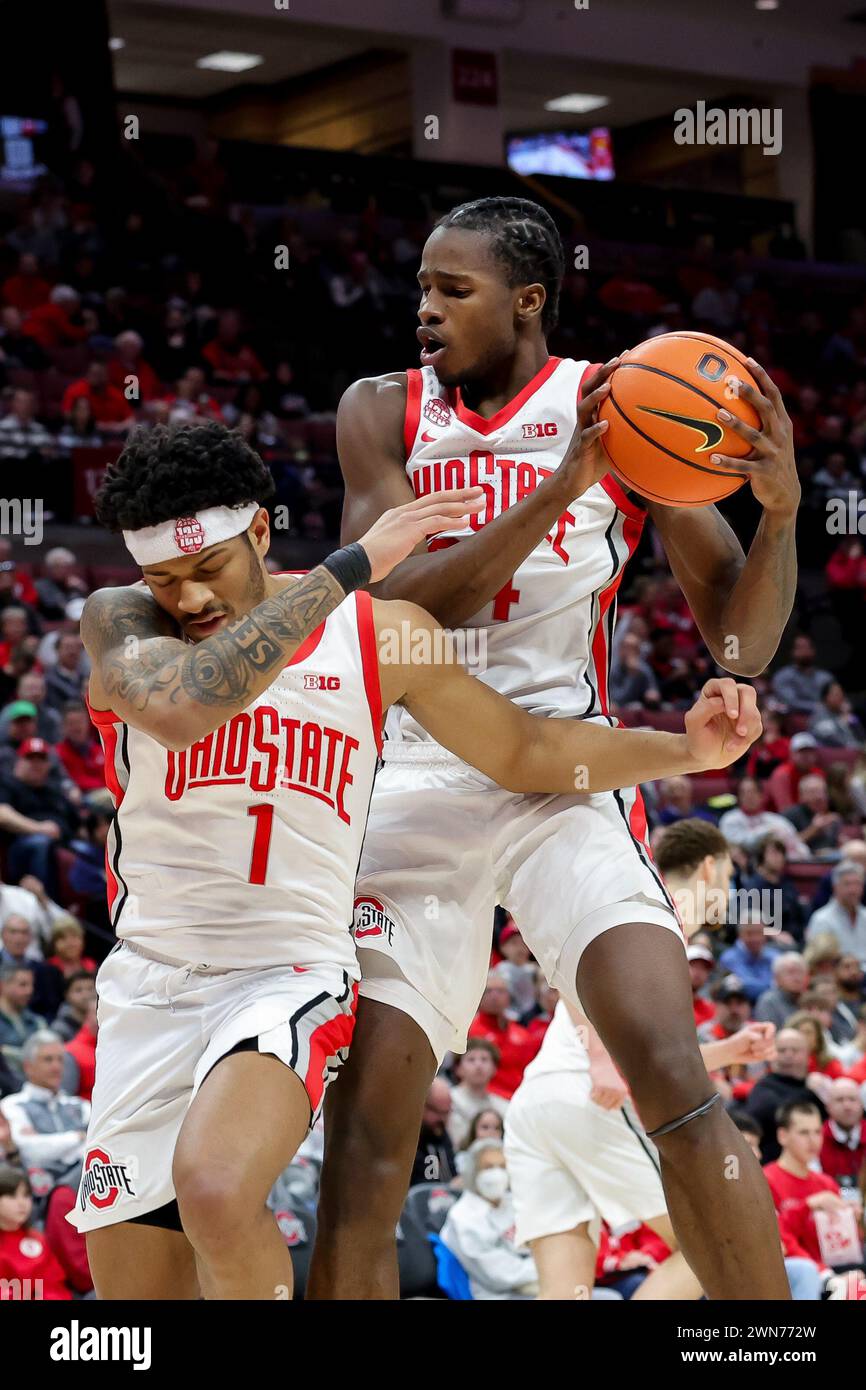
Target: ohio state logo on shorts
(371, 919)
(103, 1181)
(437, 411)
(292, 1228)
(188, 534)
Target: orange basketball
(662, 425)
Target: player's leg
(372, 1123)
(135, 1261)
(633, 985)
(565, 1263)
(244, 1126)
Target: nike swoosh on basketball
(712, 432)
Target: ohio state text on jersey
(548, 631)
(241, 851)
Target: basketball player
(241, 717)
(537, 573)
(577, 1153)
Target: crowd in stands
(107, 325)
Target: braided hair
(524, 239)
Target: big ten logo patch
(371, 920)
(545, 429)
(314, 682)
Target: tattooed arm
(179, 692)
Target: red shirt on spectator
(783, 785)
(25, 1254)
(68, 1244)
(847, 570)
(612, 1250)
(704, 1009)
(839, 1160)
(25, 292)
(82, 1049)
(517, 1047)
(796, 1219)
(87, 769)
(52, 327)
(858, 1071)
(238, 361)
(109, 406)
(149, 387)
(833, 1068)
(67, 968)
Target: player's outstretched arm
(180, 692)
(528, 753)
(456, 581)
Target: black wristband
(349, 566)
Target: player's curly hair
(524, 240)
(177, 470)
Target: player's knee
(658, 1065)
(212, 1204)
(378, 1200)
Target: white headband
(187, 535)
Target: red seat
(849, 756)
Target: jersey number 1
(264, 815)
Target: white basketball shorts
(444, 845)
(572, 1162)
(161, 1029)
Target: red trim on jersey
(370, 661)
(631, 531)
(108, 736)
(101, 716)
(325, 1042)
(591, 367)
(621, 500)
(414, 390)
(308, 646)
(478, 422)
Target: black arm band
(349, 566)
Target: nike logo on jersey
(708, 428)
(428, 438)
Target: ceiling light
(116, 44)
(225, 61)
(766, 4)
(578, 102)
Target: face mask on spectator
(492, 1183)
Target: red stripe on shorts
(325, 1041)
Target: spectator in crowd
(65, 681)
(31, 690)
(192, 399)
(798, 686)
(29, 900)
(79, 1068)
(19, 723)
(798, 1191)
(632, 682)
(517, 968)
(22, 437)
(516, 1045)
(677, 802)
(229, 357)
(771, 749)
(434, 1157)
(16, 586)
(18, 1022)
(785, 1082)
(812, 1019)
(750, 959)
(14, 627)
(852, 1054)
(834, 725)
(128, 372)
(475, 1070)
(851, 983)
(8, 1151)
(111, 410)
(843, 1151)
(771, 877)
(783, 785)
(87, 872)
(53, 325)
(626, 1259)
(48, 1126)
(68, 1245)
(702, 963)
(80, 750)
(479, 1229)
(16, 936)
(487, 1124)
(67, 941)
(59, 583)
(36, 814)
(817, 826)
(842, 1022)
(17, 348)
(79, 430)
(537, 1018)
(790, 980)
(27, 288)
(749, 823)
(25, 1255)
(79, 992)
(844, 916)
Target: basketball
(662, 425)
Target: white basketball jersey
(545, 639)
(242, 850)
(561, 1048)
